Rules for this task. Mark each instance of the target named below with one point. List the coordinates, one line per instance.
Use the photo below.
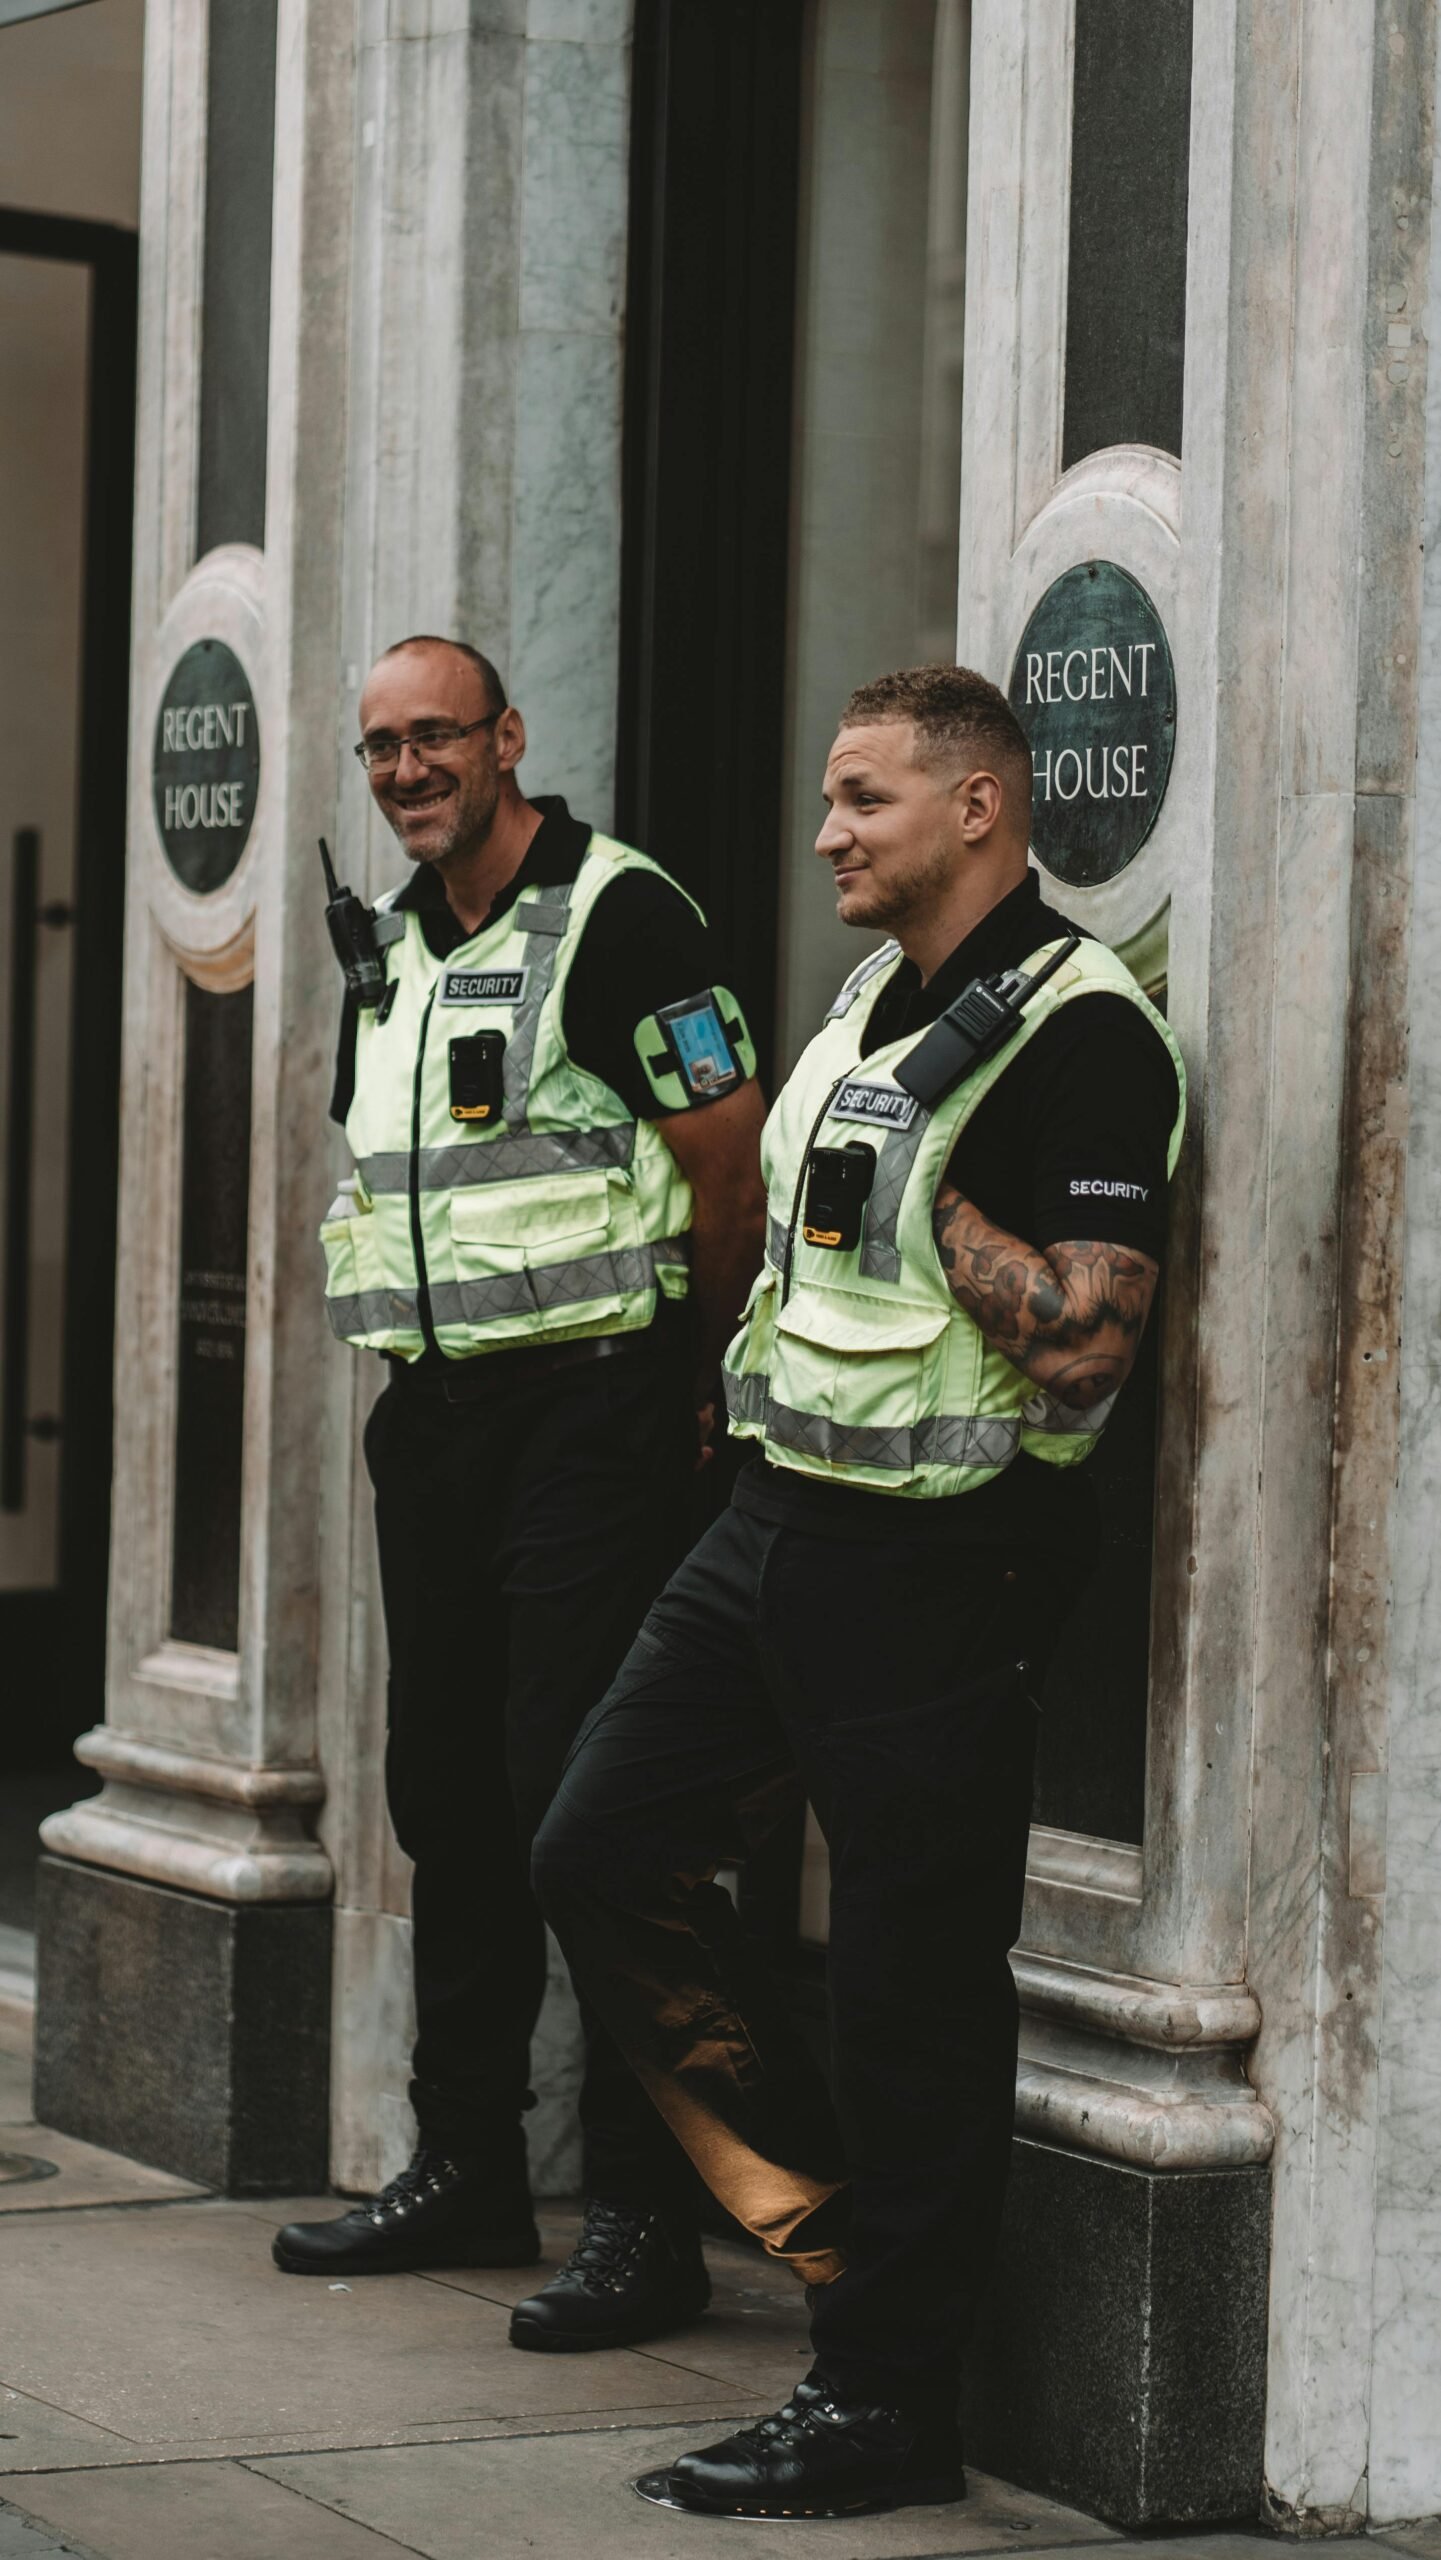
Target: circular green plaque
(207, 765)
(1094, 689)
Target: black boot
(435, 2214)
(817, 2456)
(630, 2276)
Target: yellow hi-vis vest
(562, 1219)
(859, 1366)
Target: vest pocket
(354, 1266)
(857, 1377)
(504, 1226)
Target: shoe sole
(518, 2254)
(536, 2339)
(658, 2490)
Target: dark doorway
(715, 176)
(68, 294)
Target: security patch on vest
(873, 1102)
(483, 986)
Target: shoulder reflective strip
(862, 977)
(880, 1252)
(548, 920)
(943, 1440)
(544, 915)
(508, 1293)
(389, 927)
(1045, 1413)
(503, 1159)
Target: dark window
(210, 1405)
(235, 350)
(1126, 294)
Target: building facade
(698, 363)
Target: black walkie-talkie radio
(980, 1022)
(359, 937)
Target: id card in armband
(696, 1051)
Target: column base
(189, 2033)
(1120, 2365)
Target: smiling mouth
(432, 800)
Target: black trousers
(895, 1682)
(522, 1537)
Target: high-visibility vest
(563, 1218)
(859, 1366)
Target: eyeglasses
(435, 739)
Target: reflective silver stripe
(943, 1440)
(373, 1311)
(880, 1252)
(776, 1244)
(544, 922)
(502, 1159)
(508, 1293)
(1045, 1413)
(861, 977)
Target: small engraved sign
(207, 765)
(1094, 689)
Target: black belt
(485, 1372)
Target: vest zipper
(816, 1127)
(417, 1233)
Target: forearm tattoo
(1071, 1317)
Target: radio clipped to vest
(477, 1078)
(980, 1022)
(359, 937)
(838, 1185)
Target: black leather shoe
(630, 2276)
(816, 2457)
(433, 2215)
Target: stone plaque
(207, 765)
(1095, 691)
(210, 1401)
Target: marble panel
(580, 21)
(574, 188)
(565, 596)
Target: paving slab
(173, 2326)
(84, 2175)
(570, 2498)
(36, 2437)
(1422, 2541)
(190, 2511)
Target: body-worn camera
(837, 1189)
(477, 1077)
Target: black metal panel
(1130, 173)
(710, 354)
(54, 1645)
(235, 349)
(19, 1170)
(210, 1404)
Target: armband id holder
(696, 1051)
(477, 1078)
(980, 1022)
(838, 1186)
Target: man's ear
(980, 797)
(509, 739)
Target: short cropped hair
(496, 694)
(957, 716)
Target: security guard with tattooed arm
(556, 1209)
(967, 1176)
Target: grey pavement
(165, 2394)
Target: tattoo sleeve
(1070, 1317)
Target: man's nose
(834, 836)
(409, 767)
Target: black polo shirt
(1070, 1144)
(643, 946)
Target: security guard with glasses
(967, 1183)
(555, 1210)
